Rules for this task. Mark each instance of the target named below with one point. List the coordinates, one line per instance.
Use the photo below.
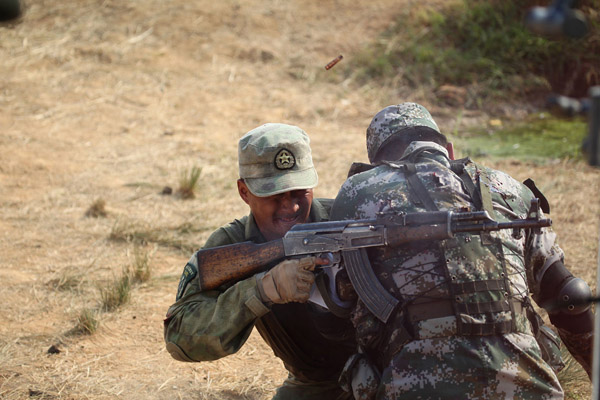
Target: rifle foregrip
(219, 265)
(398, 235)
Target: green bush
(483, 43)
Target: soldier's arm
(203, 326)
(562, 295)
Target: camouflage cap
(392, 120)
(276, 158)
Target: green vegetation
(188, 183)
(116, 293)
(479, 54)
(140, 271)
(87, 322)
(485, 46)
(540, 138)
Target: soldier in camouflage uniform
(461, 329)
(277, 178)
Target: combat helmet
(394, 119)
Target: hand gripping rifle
(349, 239)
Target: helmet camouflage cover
(392, 120)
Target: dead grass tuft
(188, 183)
(116, 293)
(141, 270)
(573, 377)
(87, 322)
(142, 234)
(97, 209)
(67, 281)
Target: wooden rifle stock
(235, 261)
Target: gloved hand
(288, 281)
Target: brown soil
(105, 103)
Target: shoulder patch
(189, 272)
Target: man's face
(276, 214)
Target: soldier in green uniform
(277, 178)
(463, 326)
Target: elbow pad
(561, 292)
(574, 297)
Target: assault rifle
(347, 241)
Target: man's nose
(288, 203)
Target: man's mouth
(288, 220)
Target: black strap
(484, 307)
(414, 184)
(458, 167)
(417, 187)
(544, 205)
(479, 286)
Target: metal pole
(593, 139)
(596, 358)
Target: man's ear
(450, 148)
(243, 190)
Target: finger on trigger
(307, 263)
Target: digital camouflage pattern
(437, 357)
(392, 120)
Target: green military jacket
(208, 325)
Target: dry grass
(97, 209)
(86, 323)
(188, 183)
(109, 100)
(116, 293)
(141, 269)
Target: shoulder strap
(485, 192)
(415, 184)
(458, 167)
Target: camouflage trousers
(295, 389)
(493, 367)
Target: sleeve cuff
(257, 306)
(254, 303)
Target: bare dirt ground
(114, 100)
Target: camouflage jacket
(208, 325)
(453, 354)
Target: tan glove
(288, 281)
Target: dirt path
(114, 100)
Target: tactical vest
(475, 297)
